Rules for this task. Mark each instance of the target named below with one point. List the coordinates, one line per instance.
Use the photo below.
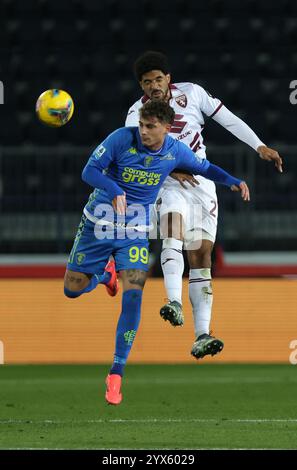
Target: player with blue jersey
(127, 171)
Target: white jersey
(191, 104)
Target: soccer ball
(54, 107)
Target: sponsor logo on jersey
(183, 136)
(169, 156)
(181, 100)
(132, 150)
(99, 151)
(131, 175)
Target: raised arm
(190, 162)
(214, 108)
(243, 132)
(218, 175)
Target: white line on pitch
(149, 420)
(156, 381)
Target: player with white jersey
(191, 104)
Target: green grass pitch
(164, 407)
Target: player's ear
(140, 84)
(168, 127)
(168, 78)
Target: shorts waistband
(137, 228)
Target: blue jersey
(121, 164)
(137, 170)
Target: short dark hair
(159, 109)
(150, 60)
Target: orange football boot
(113, 394)
(112, 286)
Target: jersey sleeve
(238, 127)
(106, 152)
(189, 161)
(101, 158)
(132, 118)
(210, 106)
(207, 103)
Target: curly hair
(150, 60)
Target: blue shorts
(90, 255)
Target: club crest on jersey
(80, 257)
(181, 100)
(148, 160)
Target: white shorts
(198, 206)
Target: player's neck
(168, 96)
(156, 147)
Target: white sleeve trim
(237, 127)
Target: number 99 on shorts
(136, 254)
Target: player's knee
(74, 283)
(171, 225)
(133, 279)
(71, 294)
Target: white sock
(172, 262)
(200, 293)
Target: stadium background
(242, 52)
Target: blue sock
(94, 281)
(126, 329)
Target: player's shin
(172, 263)
(201, 298)
(126, 328)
